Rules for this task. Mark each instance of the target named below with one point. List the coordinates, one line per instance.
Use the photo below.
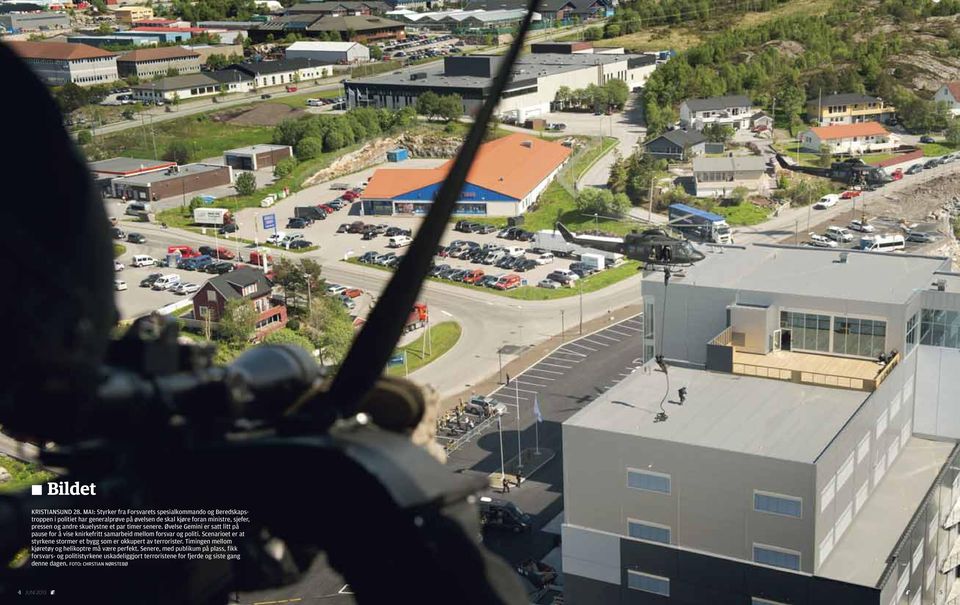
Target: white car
(548, 283)
(334, 289)
(822, 242)
(861, 226)
(827, 201)
(119, 284)
(276, 238)
(187, 288)
(545, 258)
(117, 265)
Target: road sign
(397, 359)
(269, 221)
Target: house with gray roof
(210, 302)
(730, 110)
(718, 177)
(677, 145)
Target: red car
(508, 282)
(350, 196)
(184, 251)
(473, 277)
(849, 195)
(327, 208)
(353, 292)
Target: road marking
(599, 344)
(559, 352)
(576, 344)
(514, 389)
(599, 335)
(558, 365)
(619, 333)
(535, 384)
(536, 369)
(297, 600)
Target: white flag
(536, 408)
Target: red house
(251, 284)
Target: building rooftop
(866, 276)
(125, 166)
(328, 46)
(843, 131)
(683, 138)
(512, 165)
(526, 69)
(226, 76)
(846, 98)
(718, 102)
(156, 54)
(255, 149)
(278, 66)
(356, 23)
(178, 82)
(64, 51)
(860, 556)
(156, 177)
(736, 163)
(771, 418)
(230, 285)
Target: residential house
(233, 80)
(849, 108)
(733, 110)
(798, 468)
(176, 88)
(150, 62)
(247, 283)
(949, 93)
(592, 9)
(677, 145)
(283, 71)
(850, 139)
(718, 177)
(57, 63)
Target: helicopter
(653, 246)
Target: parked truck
(699, 224)
(216, 217)
(593, 261)
(418, 317)
(310, 212)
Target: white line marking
(535, 384)
(547, 371)
(558, 365)
(550, 378)
(570, 353)
(619, 333)
(594, 342)
(598, 335)
(576, 344)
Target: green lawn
(806, 158)
(876, 158)
(443, 337)
(119, 250)
(590, 284)
(23, 474)
(743, 215)
(935, 149)
(204, 137)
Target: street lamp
(580, 283)
(500, 409)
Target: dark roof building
(359, 28)
(717, 103)
(248, 283)
(676, 145)
(348, 7)
(554, 10)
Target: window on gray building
(809, 331)
(647, 481)
(859, 337)
(648, 583)
(911, 332)
(776, 504)
(648, 531)
(940, 328)
(776, 557)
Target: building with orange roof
(850, 139)
(57, 63)
(507, 177)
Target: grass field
(119, 250)
(876, 158)
(204, 137)
(22, 474)
(743, 215)
(806, 158)
(935, 149)
(443, 337)
(589, 284)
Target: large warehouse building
(506, 178)
(533, 88)
(329, 52)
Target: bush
(286, 336)
(335, 139)
(84, 137)
(284, 167)
(178, 152)
(309, 148)
(293, 324)
(246, 183)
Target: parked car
(347, 302)
(548, 283)
(838, 234)
(473, 276)
(143, 260)
(187, 288)
(383, 258)
(502, 514)
(446, 273)
(343, 228)
(821, 241)
(119, 284)
(861, 225)
(336, 289)
(368, 257)
(508, 282)
(297, 223)
(147, 281)
(915, 169)
(582, 270)
(356, 227)
(437, 270)
(458, 274)
(117, 265)
(265, 96)
(827, 201)
(299, 244)
(524, 265)
(545, 258)
(136, 238)
(369, 234)
(228, 228)
(337, 204)
(485, 229)
(927, 139)
(562, 277)
(353, 292)
(219, 268)
(850, 194)
(920, 237)
(930, 164)
(327, 208)
(489, 280)
(118, 233)
(464, 226)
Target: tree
(286, 336)
(601, 201)
(450, 107)
(564, 96)
(178, 152)
(303, 277)
(284, 167)
(238, 323)
(333, 140)
(309, 148)
(953, 132)
(617, 92)
(171, 72)
(593, 33)
(376, 53)
(428, 104)
(105, 29)
(717, 133)
(330, 328)
(246, 183)
(617, 181)
(84, 137)
(195, 202)
(71, 97)
(739, 195)
(825, 156)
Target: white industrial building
(530, 92)
(329, 52)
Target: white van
(827, 201)
(838, 234)
(514, 251)
(143, 260)
(399, 241)
(166, 282)
(882, 243)
(545, 258)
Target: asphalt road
(565, 381)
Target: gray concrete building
(812, 456)
(718, 177)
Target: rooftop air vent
(843, 258)
(941, 285)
